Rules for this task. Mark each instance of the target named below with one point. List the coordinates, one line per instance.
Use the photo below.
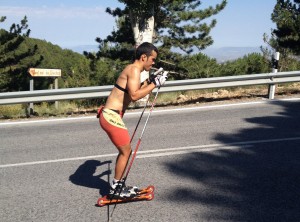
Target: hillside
(74, 66)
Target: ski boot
(119, 190)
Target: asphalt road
(234, 162)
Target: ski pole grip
(158, 71)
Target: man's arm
(145, 83)
(135, 90)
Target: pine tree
(177, 24)
(286, 37)
(286, 15)
(15, 57)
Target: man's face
(150, 61)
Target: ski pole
(139, 120)
(158, 71)
(133, 134)
(140, 139)
(153, 103)
(136, 148)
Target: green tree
(198, 66)
(179, 25)
(107, 71)
(252, 63)
(286, 15)
(15, 57)
(286, 37)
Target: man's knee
(125, 150)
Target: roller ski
(127, 194)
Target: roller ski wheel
(150, 196)
(149, 189)
(102, 201)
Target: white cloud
(61, 12)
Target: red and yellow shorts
(112, 123)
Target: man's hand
(160, 79)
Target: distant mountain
(222, 54)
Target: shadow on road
(84, 176)
(256, 183)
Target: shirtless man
(128, 88)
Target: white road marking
(172, 153)
(154, 111)
(163, 152)
(46, 120)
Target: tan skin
(118, 100)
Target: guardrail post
(272, 87)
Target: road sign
(36, 72)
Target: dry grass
(12, 111)
(228, 94)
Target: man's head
(145, 48)
(147, 53)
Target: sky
(71, 23)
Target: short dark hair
(145, 48)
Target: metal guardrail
(170, 86)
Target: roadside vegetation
(183, 98)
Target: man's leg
(122, 159)
(117, 183)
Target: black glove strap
(151, 79)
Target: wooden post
(56, 87)
(31, 88)
(38, 72)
